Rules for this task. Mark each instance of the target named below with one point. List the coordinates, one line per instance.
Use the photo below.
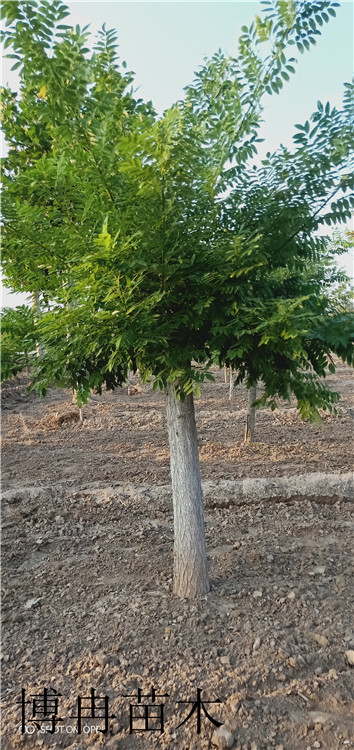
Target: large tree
(166, 247)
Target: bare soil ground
(87, 568)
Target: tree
(251, 413)
(165, 233)
(18, 340)
(331, 289)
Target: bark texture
(231, 385)
(37, 314)
(74, 401)
(190, 579)
(251, 415)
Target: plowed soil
(87, 564)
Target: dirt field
(87, 565)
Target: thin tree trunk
(74, 401)
(128, 383)
(225, 374)
(190, 578)
(71, 306)
(37, 315)
(231, 385)
(251, 415)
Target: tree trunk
(231, 385)
(225, 374)
(37, 315)
(251, 414)
(190, 577)
(74, 401)
(70, 306)
(128, 383)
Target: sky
(165, 42)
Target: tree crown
(160, 243)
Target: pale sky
(164, 42)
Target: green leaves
(18, 340)
(159, 243)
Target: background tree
(331, 291)
(251, 413)
(168, 261)
(18, 340)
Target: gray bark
(74, 401)
(37, 314)
(70, 306)
(251, 415)
(190, 576)
(231, 384)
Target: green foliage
(18, 340)
(158, 242)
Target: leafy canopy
(159, 242)
(18, 340)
